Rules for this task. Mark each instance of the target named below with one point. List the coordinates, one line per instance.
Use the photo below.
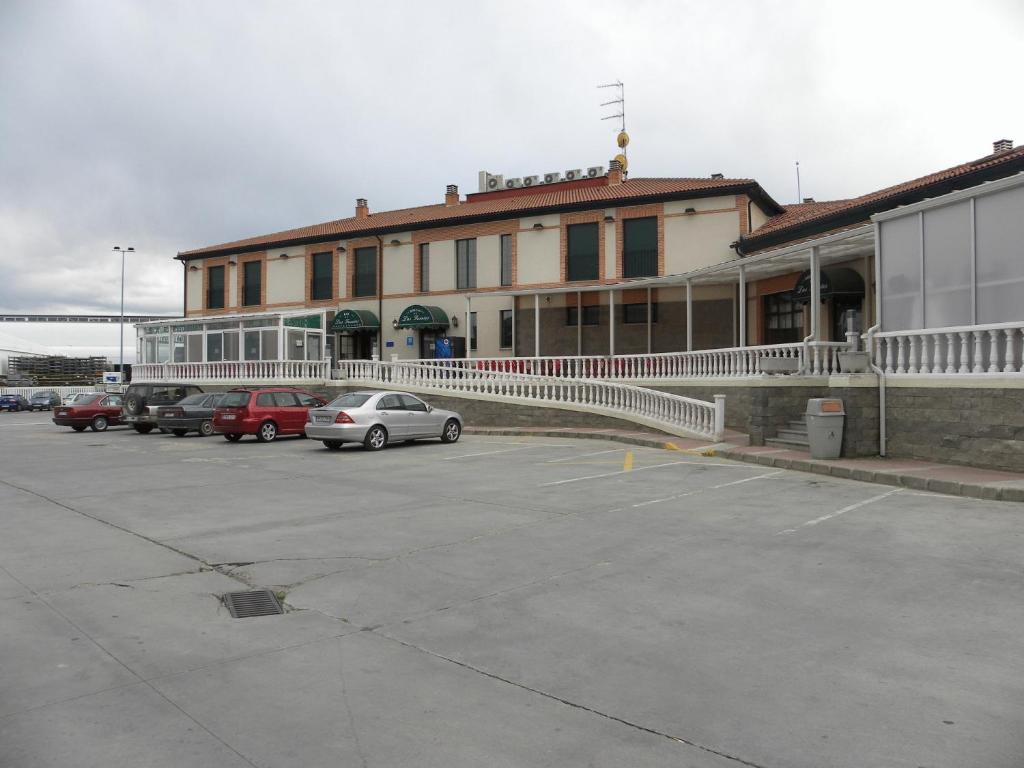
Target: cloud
(168, 126)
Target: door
(421, 423)
(428, 341)
(393, 416)
(783, 319)
(292, 415)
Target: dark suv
(141, 402)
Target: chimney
(614, 173)
(808, 199)
(362, 209)
(1002, 145)
(451, 195)
(717, 176)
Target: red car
(265, 412)
(98, 411)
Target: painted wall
(286, 278)
(699, 240)
(442, 265)
(538, 250)
(194, 290)
(398, 264)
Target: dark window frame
(639, 261)
(582, 263)
(211, 291)
(252, 290)
(361, 281)
(424, 264)
(465, 264)
(591, 315)
(636, 313)
(321, 286)
(505, 260)
(505, 319)
(473, 333)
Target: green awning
(424, 317)
(355, 320)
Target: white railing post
(719, 417)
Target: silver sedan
(378, 418)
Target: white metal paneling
(999, 224)
(900, 246)
(947, 276)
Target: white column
(536, 325)
(689, 316)
(815, 293)
(579, 324)
(469, 327)
(743, 306)
(648, 320)
(611, 322)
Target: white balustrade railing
(62, 391)
(969, 349)
(814, 358)
(669, 412)
(234, 371)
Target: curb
(914, 482)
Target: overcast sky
(171, 125)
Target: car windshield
(193, 399)
(234, 400)
(350, 400)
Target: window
(637, 313)
(424, 267)
(268, 350)
(582, 252)
(506, 329)
(472, 331)
(252, 282)
(231, 345)
(284, 400)
(640, 247)
(783, 319)
(307, 401)
(389, 402)
(411, 403)
(591, 315)
(265, 400)
(214, 347)
(252, 345)
(215, 288)
(365, 278)
(465, 264)
(322, 281)
(506, 259)
(350, 400)
(235, 400)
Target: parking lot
(499, 601)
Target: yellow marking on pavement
(627, 463)
(670, 447)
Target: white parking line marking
(485, 453)
(748, 479)
(583, 455)
(612, 474)
(849, 508)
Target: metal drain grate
(260, 602)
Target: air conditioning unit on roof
(552, 177)
(594, 171)
(531, 181)
(495, 183)
(513, 183)
(574, 174)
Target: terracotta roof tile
(629, 192)
(807, 215)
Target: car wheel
(332, 445)
(179, 432)
(78, 428)
(99, 424)
(452, 431)
(143, 429)
(267, 432)
(232, 437)
(206, 429)
(133, 404)
(376, 438)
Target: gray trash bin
(825, 418)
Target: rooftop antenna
(799, 198)
(623, 138)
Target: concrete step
(798, 436)
(780, 442)
(798, 425)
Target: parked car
(265, 412)
(14, 403)
(378, 418)
(193, 414)
(142, 400)
(44, 401)
(97, 410)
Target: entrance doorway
(783, 319)
(357, 345)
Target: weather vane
(623, 138)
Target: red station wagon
(98, 411)
(265, 412)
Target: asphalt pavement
(500, 601)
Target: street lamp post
(123, 252)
